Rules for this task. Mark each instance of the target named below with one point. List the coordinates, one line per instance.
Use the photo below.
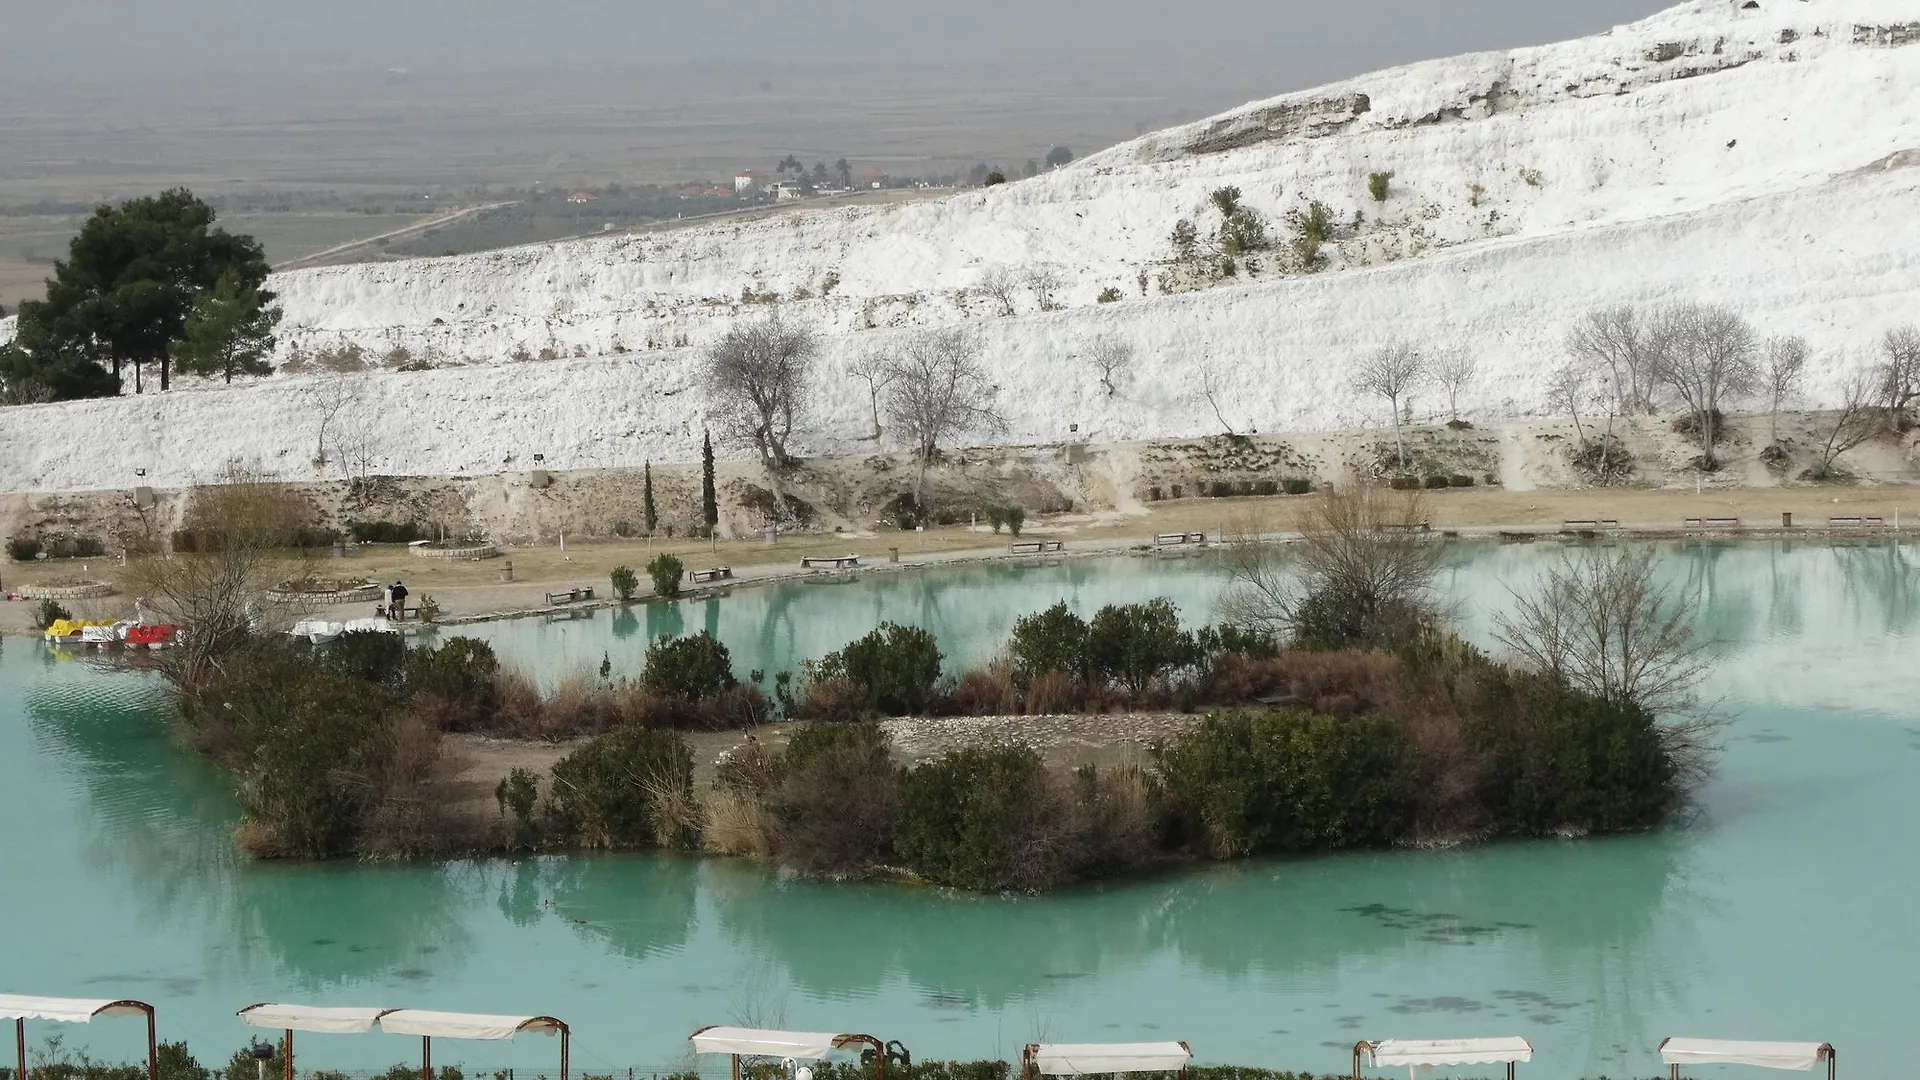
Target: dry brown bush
(1053, 694)
(738, 824)
(833, 700)
(987, 692)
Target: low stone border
(478, 551)
(85, 591)
(360, 595)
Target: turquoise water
(1783, 908)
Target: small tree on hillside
(1783, 367)
(649, 511)
(228, 332)
(1392, 372)
(874, 370)
(1617, 341)
(1454, 369)
(939, 390)
(1706, 354)
(759, 377)
(1058, 156)
(1856, 421)
(1044, 279)
(709, 497)
(1899, 372)
(1111, 356)
(999, 285)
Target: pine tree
(647, 509)
(228, 332)
(709, 501)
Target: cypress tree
(647, 509)
(709, 501)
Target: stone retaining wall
(88, 590)
(363, 595)
(478, 551)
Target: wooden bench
(1180, 538)
(381, 612)
(1856, 522)
(1407, 527)
(1034, 547)
(714, 573)
(1712, 523)
(570, 596)
(830, 562)
(1576, 524)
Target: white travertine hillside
(1758, 156)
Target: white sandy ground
(1760, 158)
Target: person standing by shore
(397, 601)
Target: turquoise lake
(1784, 907)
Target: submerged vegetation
(1347, 715)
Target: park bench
(1180, 538)
(714, 573)
(1855, 522)
(830, 562)
(1034, 547)
(573, 595)
(1407, 526)
(1712, 523)
(380, 611)
(1577, 524)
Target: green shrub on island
(690, 668)
(1135, 645)
(629, 788)
(836, 801)
(626, 583)
(1246, 783)
(892, 669)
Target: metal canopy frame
(840, 1042)
(1030, 1066)
(109, 1008)
(1823, 1052)
(1365, 1048)
(551, 1024)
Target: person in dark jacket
(398, 610)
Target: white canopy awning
(754, 1042)
(447, 1025)
(1075, 1059)
(1768, 1055)
(67, 1010)
(332, 1020)
(1493, 1051)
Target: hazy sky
(112, 38)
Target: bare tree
(1600, 623)
(217, 591)
(874, 370)
(938, 389)
(1210, 387)
(759, 376)
(1855, 422)
(327, 399)
(999, 285)
(1392, 372)
(1567, 388)
(1455, 368)
(1706, 354)
(1620, 341)
(1111, 356)
(1044, 279)
(1362, 574)
(1900, 372)
(1783, 367)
